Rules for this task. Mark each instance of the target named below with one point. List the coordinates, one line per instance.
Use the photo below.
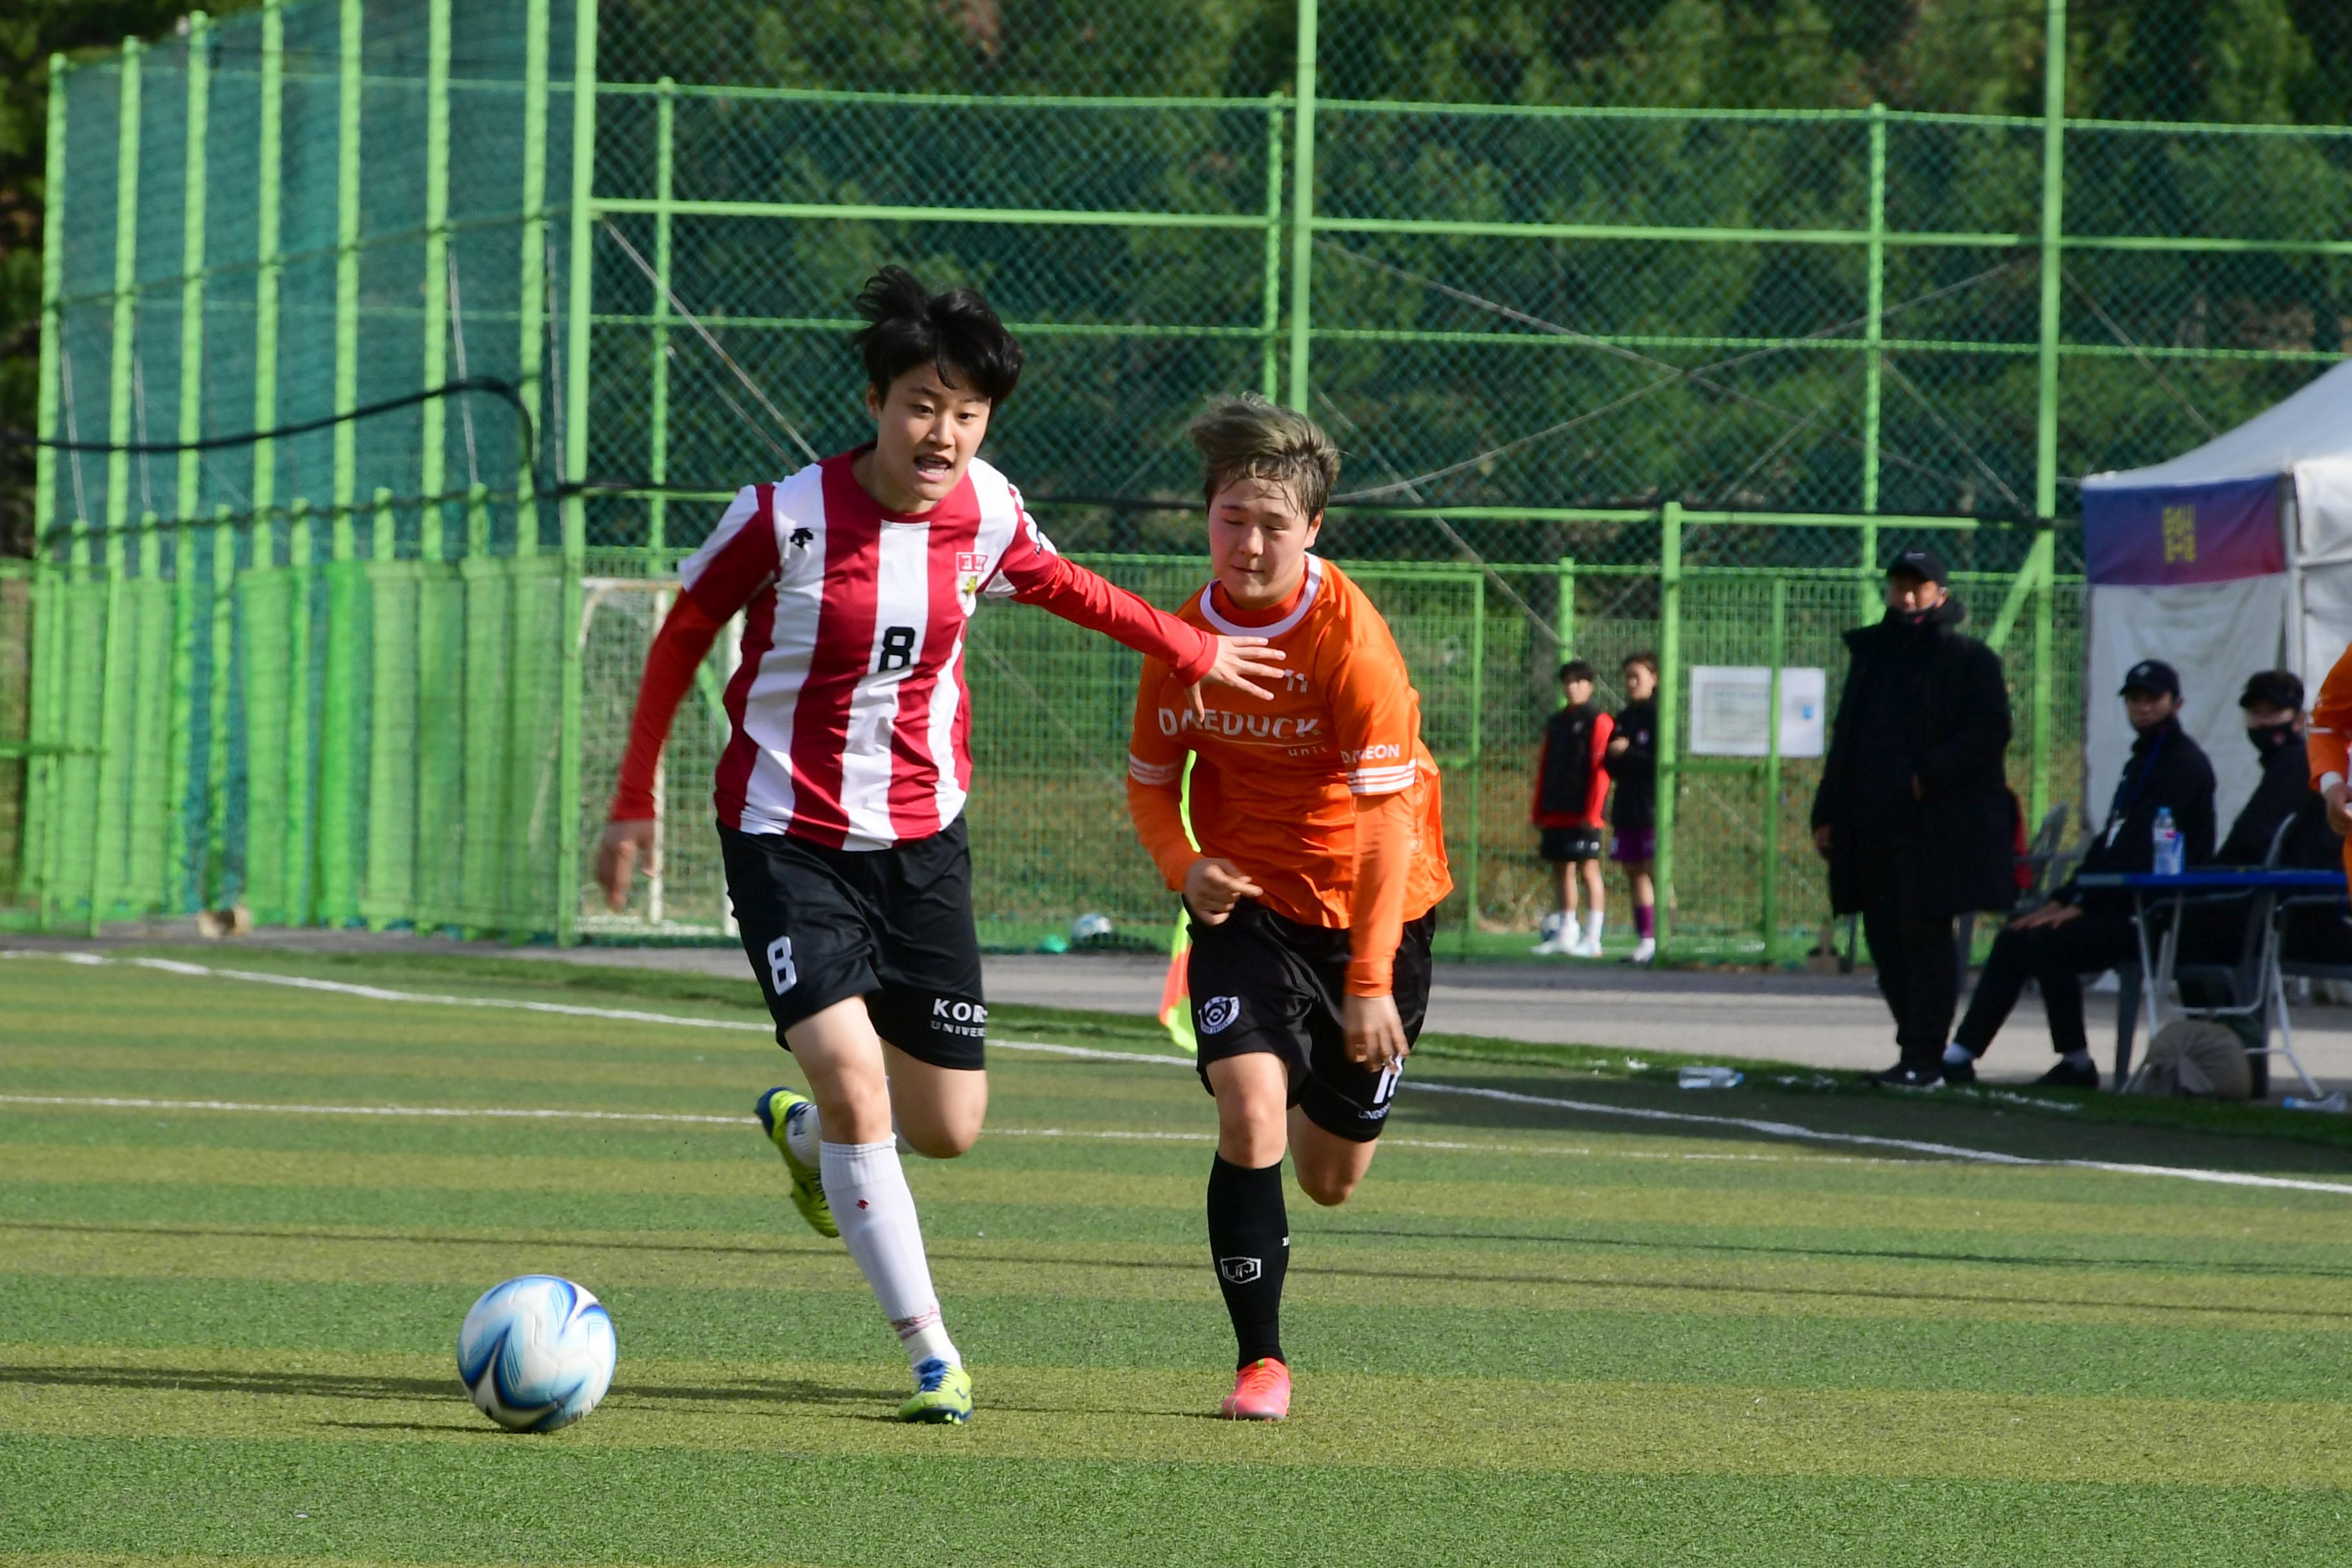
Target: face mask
(2270, 738)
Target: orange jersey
(2329, 744)
(1275, 785)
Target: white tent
(2231, 558)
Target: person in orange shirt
(1321, 860)
(2329, 745)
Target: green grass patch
(1545, 1331)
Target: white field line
(1583, 1106)
(127, 1102)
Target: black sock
(1249, 1243)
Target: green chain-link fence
(1828, 277)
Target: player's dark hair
(1247, 437)
(1578, 669)
(957, 333)
(1641, 657)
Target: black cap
(2275, 688)
(2152, 675)
(1921, 562)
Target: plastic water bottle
(1710, 1078)
(2170, 858)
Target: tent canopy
(2232, 557)
(2314, 424)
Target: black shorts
(1565, 845)
(1261, 982)
(891, 925)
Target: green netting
(1562, 269)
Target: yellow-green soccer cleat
(777, 1110)
(942, 1394)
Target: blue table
(2268, 889)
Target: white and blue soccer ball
(1091, 927)
(537, 1352)
(1549, 926)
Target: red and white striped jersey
(848, 714)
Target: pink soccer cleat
(1261, 1392)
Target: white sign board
(1728, 704)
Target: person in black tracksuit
(2078, 932)
(1633, 763)
(2214, 931)
(1571, 787)
(1915, 814)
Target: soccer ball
(536, 1353)
(1549, 927)
(1091, 928)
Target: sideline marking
(1584, 1107)
(125, 1102)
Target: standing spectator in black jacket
(1915, 814)
(2076, 933)
(1633, 763)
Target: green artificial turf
(1539, 1334)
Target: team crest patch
(1218, 1013)
(1239, 1270)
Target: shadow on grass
(1681, 1246)
(353, 1386)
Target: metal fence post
(1670, 687)
(266, 277)
(180, 778)
(294, 875)
(657, 412)
(215, 889)
(1302, 209)
(1564, 613)
(349, 88)
(575, 470)
(114, 652)
(1477, 756)
(2045, 447)
(1270, 320)
(433, 459)
(47, 728)
(330, 869)
(1873, 336)
(1777, 650)
(530, 309)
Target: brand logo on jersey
(1218, 1013)
(1241, 1270)
(972, 562)
(801, 538)
(1255, 726)
(1381, 754)
(952, 1017)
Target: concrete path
(1831, 1021)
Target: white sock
(1958, 1056)
(802, 1134)
(1593, 927)
(866, 1188)
(2078, 1059)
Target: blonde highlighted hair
(1246, 437)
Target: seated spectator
(2214, 931)
(2272, 702)
(2078, 932)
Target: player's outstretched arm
(678, 650)
(719, 579)
(1034, 574)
